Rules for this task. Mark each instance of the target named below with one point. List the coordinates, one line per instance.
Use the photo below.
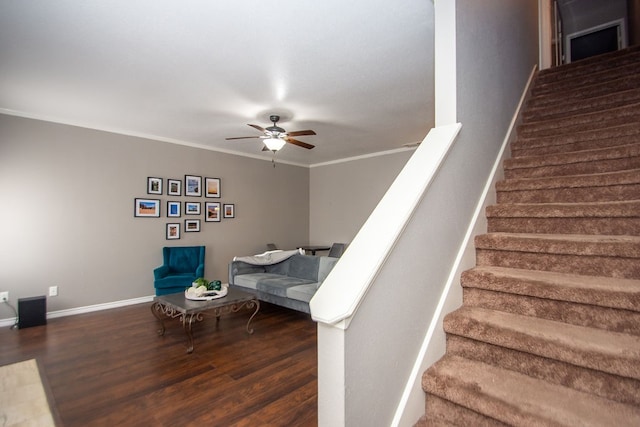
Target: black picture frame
(212, 212)
(192, 185)
(192, 208)
(146, 208)
(154, 185)
(229, 210)
(191, 225)
(212, 187)
(173, 209)
(174, 187)
(173, 231)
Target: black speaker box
(32, 312)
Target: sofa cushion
(304, 267)
(278, 286)
(326, 265)
(302, 292)
(251, 280)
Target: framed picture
(173, 209)
(154, 185)
(192, 208)
(192, 185)
(212, 212)
(174, 187)
(191, 225)
(212, 187)
(147, 208)
(229, 210)
(173, 231)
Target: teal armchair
(182, 265)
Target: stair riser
(581, 314)
(524, 151)
(587, 122)
(610, 193)
(614, 387)
(578, 168)
(585, 106)
(445, 411)
(571, 225)
(607, 266)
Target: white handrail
(341, 293)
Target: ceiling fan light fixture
(274, 144)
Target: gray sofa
(290, 283)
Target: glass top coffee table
(189, 311)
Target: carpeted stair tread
(593, 155)
(575, 95)
(581, 122)
(574, 313)
(606, 351)
(600, 291)
(431, 422)
(599, 160)
(625, 177)
(560, 146)
(611, 60)
(602, 193)
(629, 131)
(612, 218)
(625, 208)
(589, 255)
(585, 105)
(592, 77)
(602, 67)
(517, 399)
(571, 244)
(447, 413)
(609, 386)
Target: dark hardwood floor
(110, 368)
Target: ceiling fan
(275, 137)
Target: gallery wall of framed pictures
(180, 202)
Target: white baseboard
(86, 309)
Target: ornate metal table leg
(249, 305)
(156, 307)
(186, 324)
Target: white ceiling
(359, 73)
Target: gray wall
(344, 194)
(67, 196)
(497, 47)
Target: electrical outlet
(53, 291)
(4, 296)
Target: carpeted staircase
(549, 331)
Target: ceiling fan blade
(261, 129)
(301, 133)
(299, 143)
(243, 137)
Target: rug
(23, 399)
